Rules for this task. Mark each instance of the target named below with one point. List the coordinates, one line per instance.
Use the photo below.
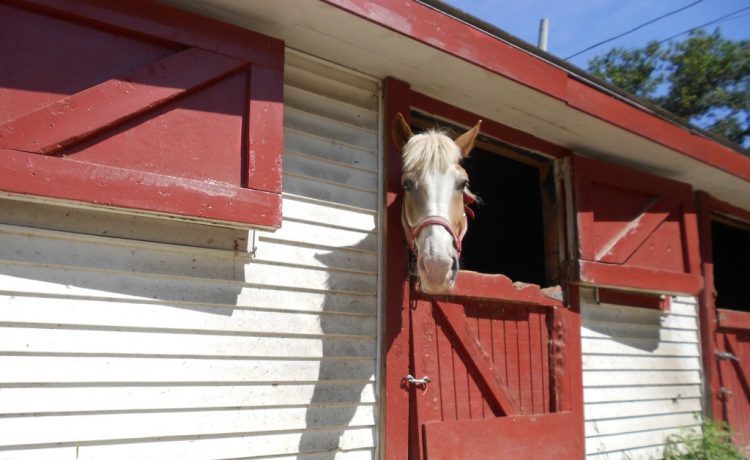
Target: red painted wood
(500, 287)
(741, 369)
(153, 119)
(530, 437)
(635, 230)
(103, 106)
(634, 299)
(618, 276)
(397, 427)
(733, 319)
(265, 132)
(489, 127)
(449, 35)
(424, 24)
(501, 398)
(31, 174)
(707, 310)
(168, 25)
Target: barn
(201, 252)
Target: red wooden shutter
(634, 230)
(140, 106)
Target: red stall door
(492, 377)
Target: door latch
(418, 382)
(725, 355)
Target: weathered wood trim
(640, 278)
(396, 341)
(31, 174)
(733, 319)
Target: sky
(577, 24)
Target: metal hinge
(725, 355)
(725, 392)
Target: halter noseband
(414, 230)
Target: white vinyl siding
(142, 338)
(641, 377)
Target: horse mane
(429, 151)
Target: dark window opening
(731, 260)
(507, 235)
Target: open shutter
(634, 230)
(140, 106)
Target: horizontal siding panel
(292, 253)
(153, 286)
(301, 164)
(322, 190)
(321, 79)
(257, 446)
(100, 427)
(324, 236)
(78, 341)
(638, 347)
(623, 409)
(634, 424)
(342, 111)
(657, 363)
(611, 394)
(641, 378)
(603, 330)
(642, 453)
(216, 320)
(108, 398)
(615, 443)
(322, 213)
(62, 369)
(330, 129)
(330, 149)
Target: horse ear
(400, 130)
(466, 140)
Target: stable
(202, 253)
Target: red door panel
(497, 367)
(136, 105)
(634, 230)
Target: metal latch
(725, 355)
(725, 392)
(418, 382)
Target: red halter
(414, 230)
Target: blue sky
(577, 24)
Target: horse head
(436, 193)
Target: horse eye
(462, 185)
(408, 185)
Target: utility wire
(715, 21)
(634, 29)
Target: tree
(704, 79)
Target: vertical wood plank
(397, 430)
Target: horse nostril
(454, 266)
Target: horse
(435, 202)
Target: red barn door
(725, 313)
(491, 371)
(497, 359)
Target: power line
(634, 29)
(715, 21)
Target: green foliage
(704, 79)
(714, 444)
